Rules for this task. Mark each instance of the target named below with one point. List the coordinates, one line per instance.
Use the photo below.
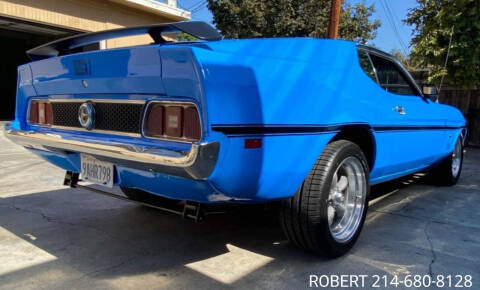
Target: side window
(391, 78)
(366, 64)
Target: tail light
(191, 124)
(181, 122)
(40, 113)
(154, 121)
(173, 121)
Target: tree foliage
(434, 21)
(185, 37)
(283, 18)
(404, 59)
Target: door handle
(400, 110)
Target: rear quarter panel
(292, 82)
(280, 82)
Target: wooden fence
(468, 101)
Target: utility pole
(334, 19)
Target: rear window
(366, 64)
(391, 78)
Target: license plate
(96, 171)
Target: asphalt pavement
(53, 237)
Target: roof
(159, 8)
(376, 50)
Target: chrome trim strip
(118, 133)
(197, 163)
(93, 100)
(120, 151)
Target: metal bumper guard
(197, 163)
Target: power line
(181, 5)
(196, 5)
(396, 20)
(392, 18)
(391, 21)
(200, 8)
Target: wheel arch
(362, 135)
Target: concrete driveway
(56, 237)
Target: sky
(393, 34)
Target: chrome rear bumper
(197, 163)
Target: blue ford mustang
(310, 122)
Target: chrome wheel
(346, 200)
(457, 158)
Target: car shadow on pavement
(101, 242)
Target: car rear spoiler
(198, 29)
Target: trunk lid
(119, 71)
(144, 70)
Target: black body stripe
(263, 130)
(282, 129)
(413, 128)
(245, 130)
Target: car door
(413, 126)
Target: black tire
(443, 174)
(304, 217)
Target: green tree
(283, 18)
(182, 36)
(404, 59)
(434, 21)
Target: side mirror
(430, 91)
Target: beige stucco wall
(82, 15)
